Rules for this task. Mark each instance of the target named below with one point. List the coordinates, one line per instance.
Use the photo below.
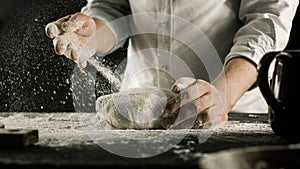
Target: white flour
(112, 77)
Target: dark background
(32, 77)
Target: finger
(173, 101)
(68, 53)
(74, 55)
(77, 21)
(184, 118)
(82, 64)
(53, 29)
(167, 122)
(214, 117)
(173, 106)
(72, 52)
(189, 95)
(82, 60)
(191, 110)
(204, 102)
(63, 19)
(201, 119)
(88, 29)
(60, 45)
(182, 83)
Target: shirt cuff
(246, 51)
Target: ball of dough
(135, 108)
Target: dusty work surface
(78, 140)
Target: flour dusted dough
(135, 108)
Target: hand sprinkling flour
(75, 37)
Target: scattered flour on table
(70, 129)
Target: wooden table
(64, 142)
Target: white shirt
(175, 38)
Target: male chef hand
(73, 33)
(198, 105)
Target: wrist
(238, 75)
(104, 37)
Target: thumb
(81, 24)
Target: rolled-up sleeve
(266, 27)
(109, 11)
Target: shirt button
(163, 23)
(164, 67)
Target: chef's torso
(176, 38)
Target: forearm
(238, 76)
(104, 37)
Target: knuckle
(185, 80)
(204, 84)
(80, 14)
(200, 105)
(204, 102)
